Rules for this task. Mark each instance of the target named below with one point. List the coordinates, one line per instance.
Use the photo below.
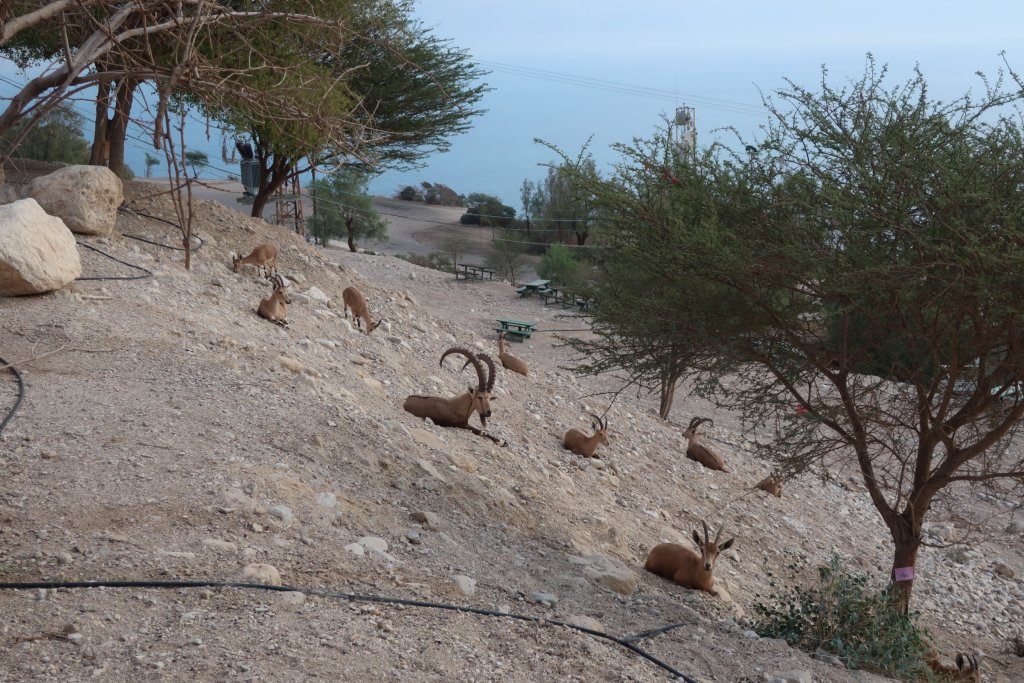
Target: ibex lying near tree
(355, 300)
(771, 484)
(581, 444)
(676, 563)
(695, 450)
(455, 412)
(274, 307)
(508, 361)
(967, 668)
(263, 257)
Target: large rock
(84, 197)
(37, 251)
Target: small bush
(847, 617)
(410, 194)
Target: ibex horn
(472, 359)
(705, 525)
(490, 371)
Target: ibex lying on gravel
(695, 450)
(455, 412)
(263, 257)
(355, 300)
(581, 444)
(676, 563)
(771, 484)
(967, 668)
(508, 361)
(274, 307)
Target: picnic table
(536, 286)
(468, 270)
(515, 330)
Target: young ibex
(581, 444)
(676, 563)
(508, 361)
(274, 307)
(455, 412)
(695, 450)
(264, 257)
(771, 484)
(355, 300)
(967, 668)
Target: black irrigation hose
(353, 597)
(21, 394)
(124, 208)
(114, 258)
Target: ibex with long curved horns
(695, 450)
(455, 412)
(676, 563)
(581, 444)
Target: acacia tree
(508, 254)
(567, 199)
(870, 255)
(344, 209)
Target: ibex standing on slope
(676, 563)
(274, 307)
(508, 361)
(455, 412)
(581, 444)
(264, 257)
(355, 300)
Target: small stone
(217, 544)
(290, 364)
(282, 513)
(546, 599)
(585, 622)
(788, 677)
(64, 558)
(326, 499)
(262, 573)
(1003, 569)
(355, 549)
(465, 584)
(374, 543)
(413, 537)
(429, 520)
(750, 635)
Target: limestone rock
(84, 197)
(261, 573)
(37, 251)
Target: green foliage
(56, 137)
(441, 195)
(196, 160)
(846, 616)
(344, 209)
(560, 266)
(410, 194)
(436, 260)
(151, 161)
(453, 246)
(488, 214)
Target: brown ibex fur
(582, 444)
(695, 450)
(772, 485)
(676, 563)
(455, 412)
(508, 361)
(264, 256)
(967, 668)
(274, 307)
(355, 300)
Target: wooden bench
(468, 270)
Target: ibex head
(277, 282)
(481, 393)
(709, 549)
(600, 428)
(691, 430)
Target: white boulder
(84, 197)
(37, 251)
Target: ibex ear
(726, 545)
(696, 539)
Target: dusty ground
(172, 434)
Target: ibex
(263, 257)
(274, 308)
(676, 563)
(581, 444)
(355, 300)
(695, 450)
(967, 668)
(508, 361)
(771, 484)
(455, 412)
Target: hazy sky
(566, 70)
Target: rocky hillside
(167, 432)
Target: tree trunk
(99, 152)
(271, 178)
(668, 393)
(351, 236)
(118, 126)
(906, 542)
